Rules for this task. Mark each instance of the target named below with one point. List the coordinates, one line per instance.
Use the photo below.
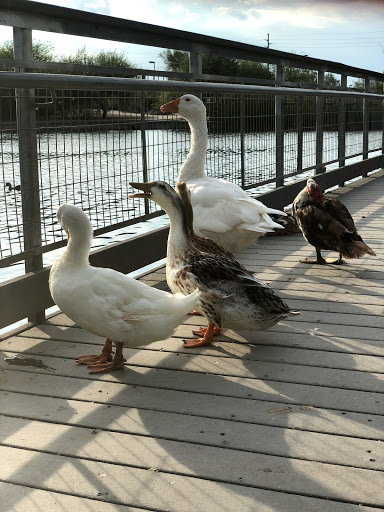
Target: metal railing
(82, 138)
(69, 151)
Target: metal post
(29, 169)
(382, 127)
(319, 125)
(195, 63)
(279, 133)
(242, 132)
(300, 133)
(342, 123)
(365, 121)
(144, 148)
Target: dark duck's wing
(351, 243)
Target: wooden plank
(187, 393)
(288, 355)
(224, 367)
(313, 338)
(162, 491)
(243, 474)
(191, 424)
(236, 441)
(18, 498)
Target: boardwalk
(291, 422)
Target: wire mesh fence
(91, 144)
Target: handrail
(50, 18)
(94, 83)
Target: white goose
(222, 210)
(108, 303)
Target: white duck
(222, 210)
(230, 295)
(108, 303)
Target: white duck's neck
(79, 245)
(193, 167)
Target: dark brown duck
(327, 225)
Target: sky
(346, 31)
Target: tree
(113, 58)
(176, 60)
(89, 100)
(41, 51)
(330, 79)
(300, 75)
(374, 85)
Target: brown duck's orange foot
(194, 312)
(203, 330)
(197, 343)
(207, 339)
(106, 367)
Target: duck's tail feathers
(356, 249)
(194, 296)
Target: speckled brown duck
(230, 296)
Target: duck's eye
(187, 99)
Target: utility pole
(267, 40)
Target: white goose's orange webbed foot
(207, 339)
(106, 355)
(194, 312)
(116, 364)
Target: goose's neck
(193, 167)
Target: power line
(328, 38)
(342, 33)
(288, 45)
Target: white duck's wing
(219, 206)
(134, 301)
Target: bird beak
(145, 187)
(172, 107)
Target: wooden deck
(290, 422)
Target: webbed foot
(207, 339)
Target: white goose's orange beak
(172, 107)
